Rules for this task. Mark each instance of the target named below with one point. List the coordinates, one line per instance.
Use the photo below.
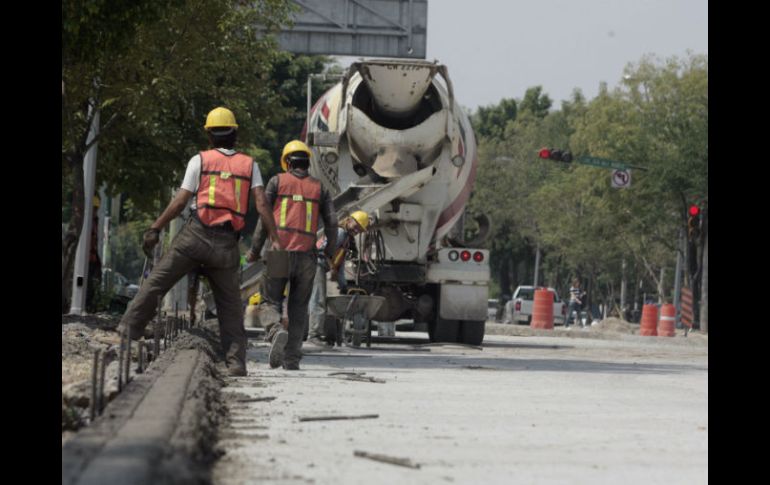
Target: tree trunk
(504, 275)
(71, 237)
(623, 289)
(514, 274)
(661, 286)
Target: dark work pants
(217, 255)
(302, 266)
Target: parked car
(124, 292)
(519, 309)
(123, 287)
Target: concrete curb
(130, 457)
(131, 442)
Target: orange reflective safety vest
(296, 211)
(223, 191)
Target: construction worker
(221, 180)
(356, 223)
(298, 202)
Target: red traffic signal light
(555, 154)
(693, 221)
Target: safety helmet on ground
(362, 218)
(293, 147)
(220, 118)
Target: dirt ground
(80, 337)
(607, 329)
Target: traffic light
(555, 154)
(693, 221)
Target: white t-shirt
(192, 176)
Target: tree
(490, 121)
(658, 119)
(153, 70)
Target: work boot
(237, 371)
(292, 366)
(276, 350)
(314, 340)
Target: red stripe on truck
(459, 203)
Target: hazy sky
(496, 49)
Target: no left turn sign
(621, 179)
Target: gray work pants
(217, 255)
(302, 266)
(322, 288)
(317, 308)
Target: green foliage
(126, 243)
(658, 119)
(490, 121)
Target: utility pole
(704, 289)
(537, 265)
(678, 279)
(80, 274)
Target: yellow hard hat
(255, 299)
(362, 218)
(96, 201)
(292, 147)
(220, 118)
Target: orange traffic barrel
(542, 309)
(667, 319)
(649, 325)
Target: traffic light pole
(678, 279)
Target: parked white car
(519, 308)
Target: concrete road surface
(529, 410)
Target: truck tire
(440, 330)
(472, 332)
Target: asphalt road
(534, 410)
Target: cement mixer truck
(391, 140)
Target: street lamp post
(321, 76)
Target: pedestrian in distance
(576, 297)
(299, 203)
(221, 180)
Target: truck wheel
(440, 330)
(472, 332)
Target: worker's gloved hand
(151, 238)
(252, 255)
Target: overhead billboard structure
(366, 28)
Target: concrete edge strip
(130, 455)
(78, 452)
